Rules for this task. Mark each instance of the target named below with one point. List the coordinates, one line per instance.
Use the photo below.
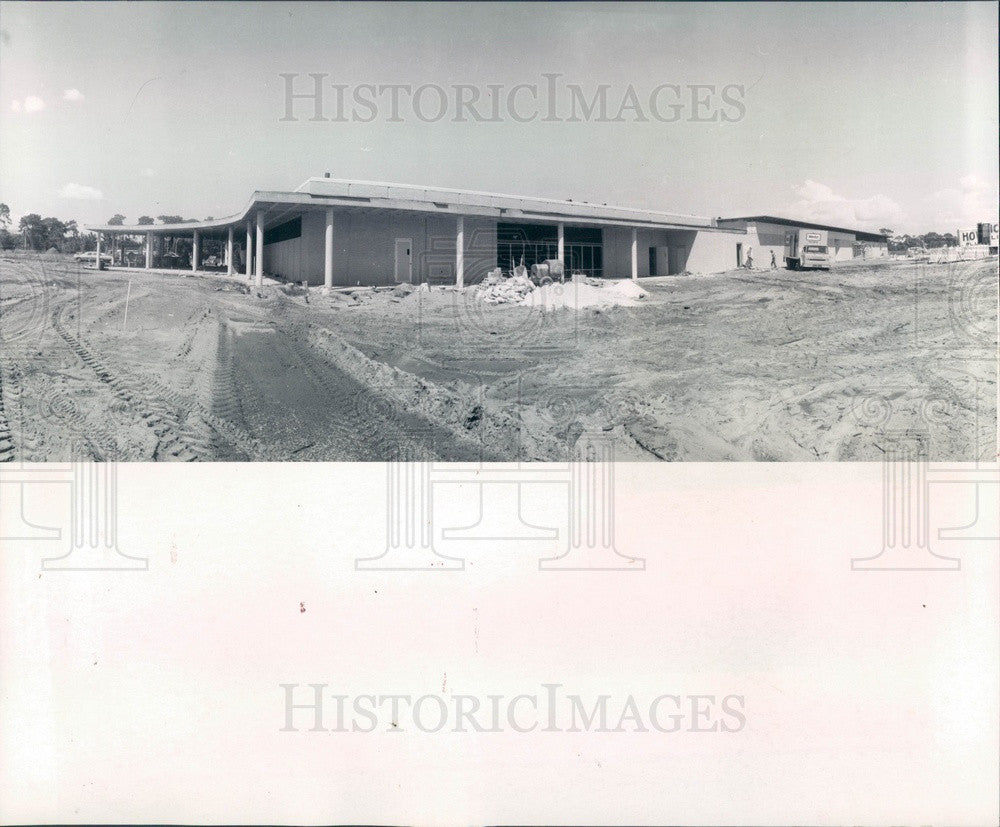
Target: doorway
(659, 261)
(739, 255)
(404, 260)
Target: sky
(868, 115)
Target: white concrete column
(460, 253)
(562, 244)
(248, 253)
(229, 252)
(635, 253)
(195, 250)
(149, 251)
(97, 259)
(328, 253)
(259, 269)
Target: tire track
(153, 411)
(384, 428)
(6, 437)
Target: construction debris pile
(498, 289)
(579, 292)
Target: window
(284, 232)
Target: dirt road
(768, 365)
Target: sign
(989, 234)
(813, 237)
(967, 237)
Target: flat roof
(324, 192)
(862, 235)
(344, 187)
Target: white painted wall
(618, 250)
(714, 252)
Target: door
(404, 260)
(739, 255)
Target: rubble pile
(495, 289)
(580, 292)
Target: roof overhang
(863, 235)
(324, 193)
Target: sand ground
(849, 364)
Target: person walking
(749, 264)
(774, 261)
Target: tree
(4, 216)
(145, 220)
(209, 218)
(117, 220)
(33, 231)
(886, 232)
(170, 219)
(54, 233)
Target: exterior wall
(874, 249)
(364, 248)
(712, 252)
(618, 250)
(693, 251)
(841, 246)
(299, 259)
(764, 239)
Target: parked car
(91, 257)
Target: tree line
(41, 234)
(927, 241)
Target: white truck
(807, 248)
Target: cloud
(972, 200)
(820, 204)
(32, 103)
(80, 192)
(74, 95)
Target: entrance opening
(534, 243)
(739, 255)
(659, 261)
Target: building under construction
(334, 232)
